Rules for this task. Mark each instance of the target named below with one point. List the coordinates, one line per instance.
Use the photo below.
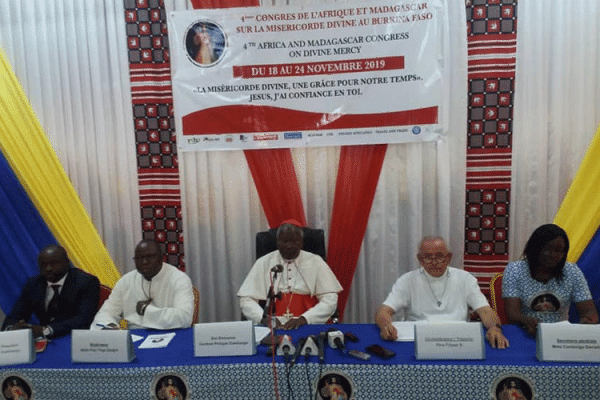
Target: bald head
(149, 244)
(428, 241)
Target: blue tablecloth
(53, 376)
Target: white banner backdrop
(322, 75)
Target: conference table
(53, 376)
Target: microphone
(310, 347)
(299, 346)
(285, 346)
(277, 269)
(336, 340)
(350, 336)
(271, 296)
(322, 346)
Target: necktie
(53, 305)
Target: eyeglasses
(147, 257)
(428, 257)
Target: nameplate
(451, 341)
(105, 346)
(16, 347)
(224, 339)
(568, 342)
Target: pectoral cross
(288, 314)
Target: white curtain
(557, 107)
(71, 59)
(421, 192)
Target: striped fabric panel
(485, 268)
(491, 47)
(152, 101)
(151, 85)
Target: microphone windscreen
(336, 339)
(278, 268)
(310, 347)
(285, 347)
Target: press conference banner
(321, 75)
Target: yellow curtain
(579, 213)
(34, 162)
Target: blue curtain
(589, 262)
(23, 233)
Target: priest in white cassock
(156, 295)
(437, 292)
(309, 289)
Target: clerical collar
(292, 261)
(446, 273)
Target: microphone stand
(269, 310)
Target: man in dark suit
(62, 297)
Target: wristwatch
(47, 331)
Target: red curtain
(356, 183)
(275, 179)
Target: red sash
(297, 304)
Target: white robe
(456, 289)
(307, 274)
(172, 305)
